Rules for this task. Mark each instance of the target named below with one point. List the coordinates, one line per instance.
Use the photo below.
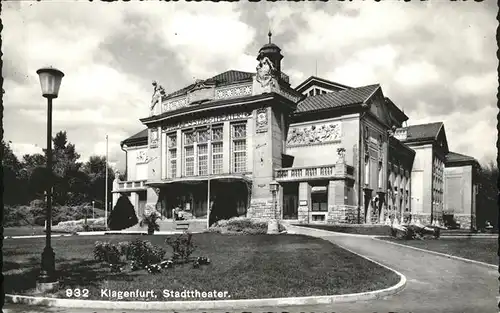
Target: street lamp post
(93, 210)
(50, 81)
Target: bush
(182, 246)
(71, 228)
(415, 232)
(143, 253)
(107, 252)
(243, 225)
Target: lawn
(373, 230)
(23, 231)
(478, 249)
(246, 266)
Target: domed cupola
(272, 52)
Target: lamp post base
(272, 227)
(47, 272)
(44, 288)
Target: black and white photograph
(272, 156)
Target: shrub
(143, 253)
(182, 246)
(415, 232)
(151, 221)
(107, 252)
(243, 225)
(123, 214)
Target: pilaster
(304, 202)
(226, 148)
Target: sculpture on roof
(265, 70)
(158, 91)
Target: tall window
(203, 137)
(239, 134)
(172, 155)
(319, 202)
(189, 139)
(217, 145)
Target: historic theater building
(248, 144)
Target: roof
(306, 82)
(422, 131)
(137, 138)
(225, 78)
(336, 99)
(455, 158)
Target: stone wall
(466, 220)
(303, 214)
(261, 209)
(423, 218)
(342, 214)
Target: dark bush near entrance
(123, 215)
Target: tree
(65, 161)
(34, 176)
(13, 188)
(123, 215)
(94, 168)
(487, 198)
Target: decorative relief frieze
(208, 120)
(153, 138)
(175, 104)
(141, 157)
(232, 92)
(314, 134)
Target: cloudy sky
(435, 60)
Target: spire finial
(269, 34)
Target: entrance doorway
(230, 199)
(291, 201)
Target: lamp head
(50, 81)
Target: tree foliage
(488, 195)
(74, 182)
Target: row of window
(315, 92)
(204, 144)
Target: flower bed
(243, 226)
(71, 227)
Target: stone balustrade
(131, 185)
(305, 173)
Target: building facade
(336, 154)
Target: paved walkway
(434, 283)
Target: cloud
(480, 85)
(21, 149)
(435, 60)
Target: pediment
(201, 91)
(378, 107)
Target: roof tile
(422, 131)
(225, 78)
(336, 99)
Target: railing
(132, 184)
(304, 173)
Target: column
(304, 202)
(116, 195)
(180, 153)
(134, 199)
(163, 155)
(226, 148)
